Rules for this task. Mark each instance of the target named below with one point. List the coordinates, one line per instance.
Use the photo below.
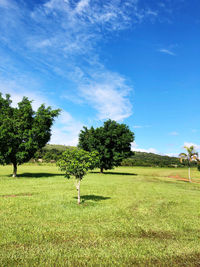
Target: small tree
(76, 163)
(190, 156)
(112, 141)
(23, 131)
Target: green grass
(130, 216)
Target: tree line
(52, 153)
(145, 159)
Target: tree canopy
(76, 162)
(112, 141)
(22, 130)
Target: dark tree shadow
(179, 183)
(38, 175)
(120, 173)
(93, 197)
(183, 260)
(116, 173)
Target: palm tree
(190, 156)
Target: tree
(190, 156)
(112, 141)
(22, 130)
(77, 162)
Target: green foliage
(77, 162)
(112, 141)
(59, 148)
(151, 160)
(22, 130)
(190, 156)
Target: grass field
(128, 217)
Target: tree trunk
(14, 169)
(78, 190)
(189, 175)
(101, 170)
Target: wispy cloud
(6, 4)
(141, 126)
(66, 130)
(108, 93)
(81, 6)
(167, 51)
(83, 25)
(135, 147)
(172, 154)
(194, 130)
(17, 90)
(62, 36)
(137, 126)
(174, 133)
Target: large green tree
(22, 130)
(77, 162)
(112, 141)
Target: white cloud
(66, 130)
(18, 91)
(137, 126)
(112, 15)
(167, 51)
(152, 12)
(194, 130)
(5, 4)
(188, 144)
(134, 147)
(68, 43)
(174, 133)
(81, 5)
(108, 94)
(141, 126)
(80, 28)
(61, 137)
(62, 36)
(172, 154)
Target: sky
(133, 61)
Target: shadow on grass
(179, 183)
(92, 197)
(116, 173)
(18, 195)
(183, 260)
(38, 175)
(149, 234)
(190, 259)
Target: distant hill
(51, 153)
(152, 160)
(60, 148)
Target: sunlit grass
(128, 216)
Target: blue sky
(133, 61)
